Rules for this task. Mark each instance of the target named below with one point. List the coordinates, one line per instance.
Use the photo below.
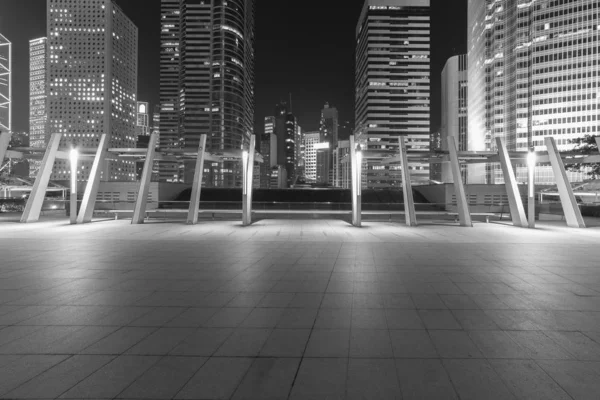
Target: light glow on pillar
(359, 159)
(73, 157)
(245, 171)
(531, 159)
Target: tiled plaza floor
(298, 310)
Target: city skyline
(286, 54)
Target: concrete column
(139, 211)
(517, 211)
(598, 142)
(91, 188)
(38, 193)
(192, 218)
(409, 203)
(567, 197)
(4, 142)
(464, 215)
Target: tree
(586, 145)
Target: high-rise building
(38, 78)
(92, 78)
(341, 165)
(299, 152)
(5, 84)
(286, 130)
(143, 119)
(311, 139)
(156, 119)
(207, 82)
(329, 126)
(454, 113)
(533, 71)
(393, 86)
(268, 149)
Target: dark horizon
(304, 49)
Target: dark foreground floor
(299, 310)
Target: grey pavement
(298, 309)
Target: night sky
(305, 48)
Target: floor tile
(268, 378)
(112, 378)
(476, 379)
(218, 378)
(422, 379)
(321, 378)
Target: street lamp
(73, 157)
(531, 161)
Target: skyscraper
(38, 78)
(533, 71)
(5, 84)
(454, 112)
(92, 78)
(207, 82)
(311, 139)
(285, 130)
(329, 126)
(142, 119)
(393, 85)
(268, 149)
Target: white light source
(245, 171)
(73, 157)
(531, 159)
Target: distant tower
(5, 84)
(92, 77)
(393, 85)
(38, 78)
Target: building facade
(5, 84)
(329, 128)
(92, 78)
(285, 130)
(454, 113)
(311, 140)
(342, 166)
(142, 127)
(38, 78)
(392, 86)
(533, 71)
(207, 83)
(268, 149)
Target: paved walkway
(300, 310)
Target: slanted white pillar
(567, 197)
(598, 142)
(38, 193)
(4, 142)
(139, 211)
(248, 177)
(464, 215)
(192, 218)
(91, 189)
(515, 202)
(409, 203)
(355, 173)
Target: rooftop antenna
(290, 102)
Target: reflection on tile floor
(298, 309)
